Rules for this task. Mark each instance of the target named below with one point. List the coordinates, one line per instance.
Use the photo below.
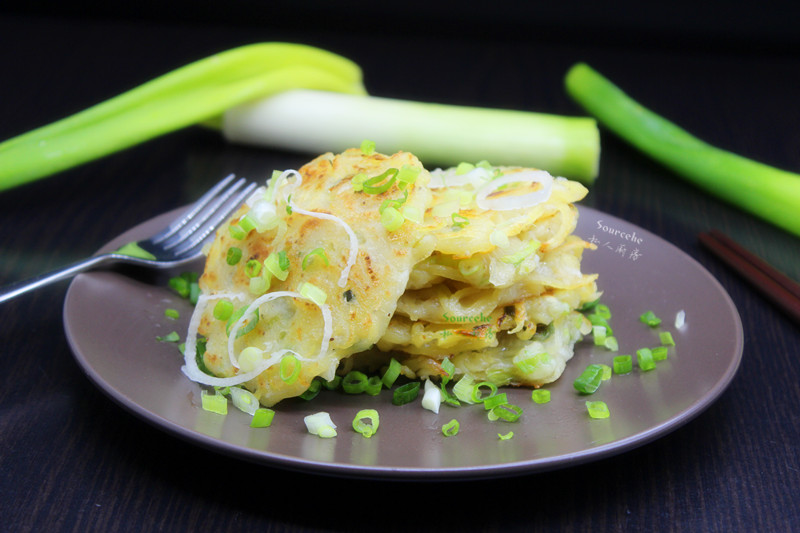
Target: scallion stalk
(764, 191)
(196, 93)
(443, 135)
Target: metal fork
(180, 242)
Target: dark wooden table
(72, 460)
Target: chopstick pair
(773, 284)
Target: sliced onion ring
(507, 203)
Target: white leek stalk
(319, 121)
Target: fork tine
(190, 214)
(200, 234)
(202, 216)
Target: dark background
(72, 460)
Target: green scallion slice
(289, 368)
(391, 219)
(367, 147)
(659, 353)
(391, 374)
(277, 263)
(494, 400)
(366, 422)
(262, 418)
(476, 391)
(540, 395)
(464, 389)
(233, 256)
(623, 364)
(649, 318)
(406, 393)
(310, 256)
(644, 357)
(223, 310)
(407, 175)
(354, 382)
(247, 327)
(237, 232)
(313, 390)
(589, 381)
(172, 336)
(313, 293)
(252, 268)
(380, 183)
(333, 384)
(507, 411)
(598, 409)
(172, 313)
(215, 403)
(374, 386)
(666, 338)
(449, 370)
(505, 436)
(459, 220)
(451, 428)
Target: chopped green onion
(507, 411)
(312, 292)
(262, 418)
(666, 338)
(309, 257)
(215, 403)
(237, 232)
(406, 393)
(223, 310)
(277, 263)
(606, 374)
(333, 384)
(464, 389)
(247, 223)
(494, 400)
(397, 203)
(599, 335)
(248, 326)
(472, 266)
(589, 381)
(354, 382)
(517, 258)
(180, 285)
(289, 368)
(252, 268)
(623, 364)
(194, 292)
(374, 386)
(449, 370)
(598, 320)
(464, 168)
(244, 400)
(459, 220)
(233, 256)
(598, 409)
(259, 285)
(407, 176)
(391, 374)
(644, 357)
(659, 353)
(649, 318)
(506, 436)
(763, 190)
(603, 310)
(358, 180)
(172, 313)
(366, 422)
(169, 337)
(611, 344)
(540, 395)
(476, 391)
(391, 219)
(367, 147)
(311, 392)
(381, 183)
(499, 238)
(451, 428)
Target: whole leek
(439, 134)
(762, 190)
(198, 92)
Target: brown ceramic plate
(112, 322)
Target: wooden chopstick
(777, 287)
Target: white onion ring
(508, 203)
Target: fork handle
(21, 287)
